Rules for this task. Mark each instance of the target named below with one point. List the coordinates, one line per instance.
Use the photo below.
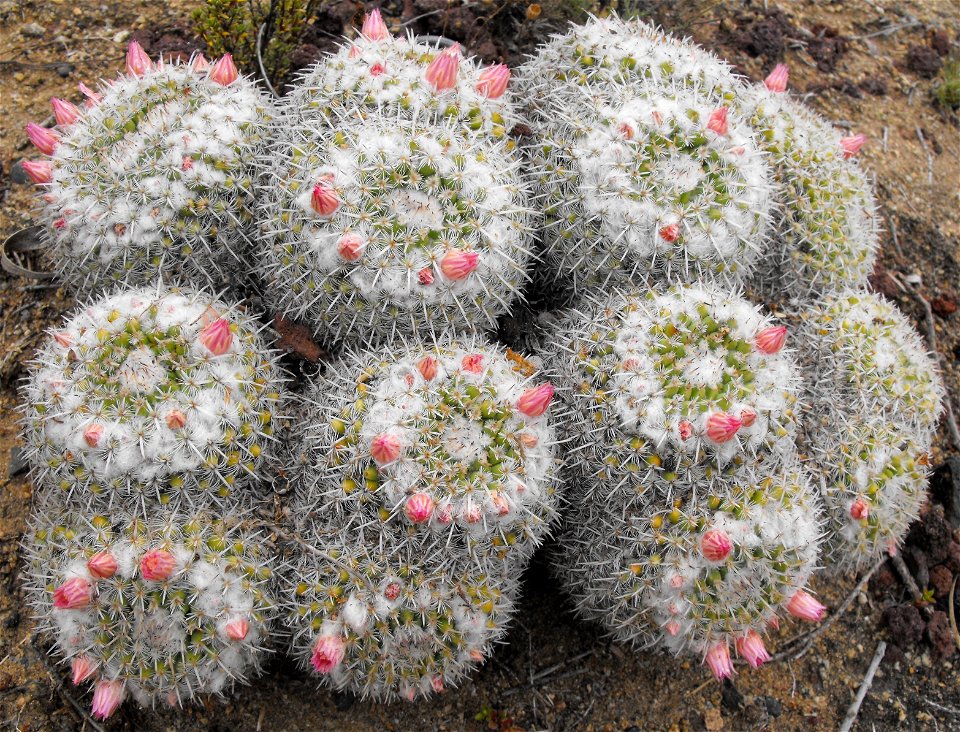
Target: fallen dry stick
(864, 688)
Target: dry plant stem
(911, 584)
(807, 639)
(864, 688)
(542, 677)
(953, 614)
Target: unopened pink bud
(670, 233)
(72, 594)
(672, 628)
(107, 696)
(476, 655)
(83, 667)
(803, 605)
(851, 145)
(747, 416)
(63, 338)
(425, 276)
(473, 363)
(418, 508)
(373, 26)
(351, 247)
(392, 592)
(224, 71)
(500, 504)
(751, 648)
(493, 81)
(378, 69)
(457, 264)
(102, 565)
(324, 199)
(859, 509)
(44, 140)
(138, 63)
(718, 121)
(66, 113)
(157, 565)
(92, 434)
(176, 419)
(385, 448)
(427, 368)
(718, 659)
(770, 340)
(327, 653)
(200, 63)
(186, 163)
(534, 402)
(773, 623)
(777, 80)
(626, 130)
(237, 629)
(686, 430)
(437, 683)
(442, 72)
(721, 427)
(93, 98)
(217, 336)
(528, 441)
(472, 514)
(715, 545)
(40, 171)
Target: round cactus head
(160, 609)
(392, 227)
(705, 575)
(153, 177)
(169, 396)
(455, 440)
(387, 618)
(663, 384)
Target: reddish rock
(882, 283)
(932, 534)
(883, 580)
(905, 624)
(944, 305)
(941, 580)
(940, 42)
(952, 562)
(940, 635)
(923, 61)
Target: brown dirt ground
(610, 688)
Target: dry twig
(864, 688)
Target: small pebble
(64, 70)
(33, 30)
(121, 36)
(18, 174)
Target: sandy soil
(554, 672)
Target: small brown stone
(941, 579)
(944, 305)
(940, 635)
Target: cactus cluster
(158, 608)
(153, 178)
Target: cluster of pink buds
(441, 74)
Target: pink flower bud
(64, 112)
(157, 565)
(851, 145)
(803, 605)
(657, 117)
(186, 163)
(437, 683)
(770, 340)
(419, 507)
(747, 416)
(534, 402)
(378, 69)
(107, 696)
(237, 629)
(686, 430)
(670, 233)
(392, 591)
(500, 504)
(457, 264)
(176, 419)
(528, 441)
(472, 514)
(444, 514)
(102, 565)
(351, 247)
(676, 582)
(373, 27)
(327, 653)
(92, 434)
(385, 448)
(751, 648)
(200, 63)
(715, 545)
(425, 276)
(138, 63)
(721, 427)
(44, 140)
(324, 199)
(773, 623)
(493, 81)
(224, 71)
(72, 594)
(40, 171)
(442, 72)
(63, 338)
(60, 224)
(859, 509)
(93, 98)
(718, 121)
(476, 655)
(626, 131)
(83, 667)
(354, 51)
(217, 336)
(718, 659)
(672, 628)
(427, 368)
(777, 80)
(472, 363)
